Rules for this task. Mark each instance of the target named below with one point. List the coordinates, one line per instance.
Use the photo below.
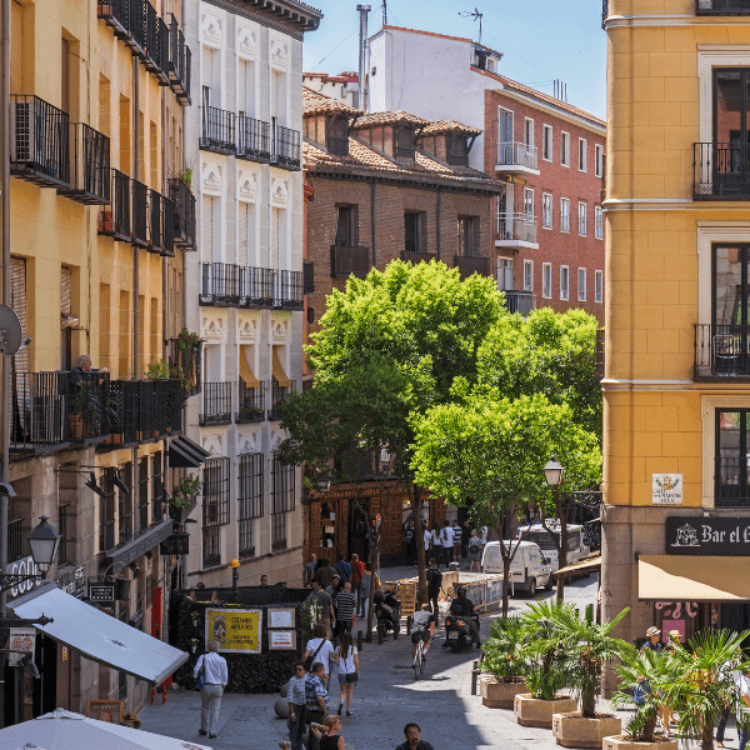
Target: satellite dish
(10, 331)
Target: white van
(539, 535)
(529, 568)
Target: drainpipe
(372, 222)
(136, 260)
(439, 214)
(363, 11)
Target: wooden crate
(407, 595)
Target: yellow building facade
(677, 376)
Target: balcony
(179, 62)
(217, 404)
(140, 218)
(88, 406)
(184, 214)
(516, 158)
(253, 140)
(116, 13)
(722, 352)
(39, 142)
(141, 411)
(471, 264)
(167, 227)
(256, 287)
(115, 220)
(221, 286)
(520, 302)
(185, 362)
(413, 256)
(516, 232)
(722, 7)
(156, 58)
(252, 404)
(90, 175)
(278, 395)
(217, 131)
(721, 171)
(287, 152)
(350, 261)
(39, 411)
(308, 277)
(160, 224)
(288, 290)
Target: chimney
(363, 11)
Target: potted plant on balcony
(249, 410)
(183, 496)
(504, 660)
(587, 646)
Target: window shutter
(207, 72)
(208, 228)
(243, 254)
(18, 303)
(66, 292)
(242, 93)
(275, 238)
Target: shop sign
(238, 631)
(696, 535)
(22, 641)
(105, 710)
(24, 567)
(666, 489)
(102, 593)
(73, 582)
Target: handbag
(201, 681)
(311, 659)
(352, 677)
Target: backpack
(434, 578)
(356, 575)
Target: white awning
(98, 636)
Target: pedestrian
(343, 568)
(309, 570)
(316, 699)
(358, 568)
(411, 545)
(297, 704)
(427, 539)
(214, 668)
(325, 573)
(323, 605)
(465, 536)
(326, 734)
(367, 590)
(348, 661)
(434, 584)
(437, 545)
(475, 551)
(652, 641)
(413, 734)
(446, 539)
(742, 683)
(483, 536)
(457, 541)
(264, 580)
(345, 606)
(320, 648)
(335, 586)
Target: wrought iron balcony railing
(253, 139)
(515, 155)
(347, 261)
(114, 221)
(722, 352)
(179, 62)
(288, 290)
(721, 171)
(39, 142)
(144, 410)
(520, 302)
(116, 13)
(413, 256)
(308, 273)
(217, 404)
(516, 228)
(256, 287)
(470, 264)
(722, 7)
(90, 175)
(287, 151)
(39, 411)
(731, 485)
(185, 362)
(139, 214)
(221, 285)
(155, 221)
(218, 131)
(156, 58)
(252, 404)
(278, 395)
(88, 405)
(184, 214)
(167, 227)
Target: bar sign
(101, 592)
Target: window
(125, 504)
(504, 127)
(582, 219)
(565, 150)
(405, 143)
(564, 215)
(345, 226)
(505, 274)
(547, 280)
(581, 284)
(564, 282)
(414, 236)
(282, 502)
(547, 210)
(528, 203)
(598, 286)
(582, 154)
(211, 546)
(216, 492)
(547, 143)
(528, 132)
(337, 135)
(458, 150)
(732, 475)
(278, 532)
(107, 511)
(157, 486)
(144, 508)
(468, 231)
(528, 276)
(250, 500)
(599, 159)
(598, 223)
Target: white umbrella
(63, 730)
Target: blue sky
(541, 39)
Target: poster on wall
(238, 631)
(22, 641)
(281, 618)
(282, 640)
(666, 489)
(105, 710)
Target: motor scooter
(457, 632)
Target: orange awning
(246, 372)
(278, 371)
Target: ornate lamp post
(553, 472)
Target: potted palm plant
(505, 663)
(545, 676)
(587, 646)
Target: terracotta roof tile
(450, 126)
(395, 117)
(315, 103)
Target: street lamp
(44, 542)
(235, 566)
(554, 471)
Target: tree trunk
(707, 735)
(415, 498)
(506, 583)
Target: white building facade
(244, 293)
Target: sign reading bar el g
(700, 535)
(238, 631)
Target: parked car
(577, 547)
(529, 570)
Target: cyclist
(423, 627)
(464, 607)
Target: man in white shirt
(446, 539)
(217, 676)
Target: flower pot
(75, 426)
(501, 694)
(623, 742)
(534, 712)
(573, 730)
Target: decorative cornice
(290, 17)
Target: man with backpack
(343, 568)
(434, 583)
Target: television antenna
(477, 16)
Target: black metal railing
(221, 284)
(722, 7)
(39, 141)
(732, 487)
(413, 256)
(142, 410)
(90, 175)
(520, 302)
(470, 264)
(167, 227)
(253, 139)
(155, 221)
(217, 131)
(115, 13)
(185, 362)
(252, 403)
(256, 287)
(139, 214)
(211, 546)
(217, 404)
(179, 61)
(278, 396)
(136, 38)
(721, 170)
(39, 408)
(115, 220)
(150, 35)
(88, 405)
(15, 540)
(247, 546)
(722, 351)
(347, 261)
(308, 276)
(287, 151)
(288, 290)
(162, 56)
(174, 410)
(184, 214)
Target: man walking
(343, 568)
(346, 606)
(316, 699)
(324, 604)
(297, 706)
(309, 571)
(434, 582)
(412, 732)
(446, 539)
(215, 670)
(358, 568)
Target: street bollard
(475, 672)
(359, 642)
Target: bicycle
(419, 660)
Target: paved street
(386, 698)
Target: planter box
(533, 712)
(501, 694)
(75, 427)
(623, 742)
(572, 730)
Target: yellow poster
(236, 630)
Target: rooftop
(395, 117)
(315, 103)
(450, 126)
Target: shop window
(328, 525)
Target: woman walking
(348, 660)
(327, 733)
(475, 551)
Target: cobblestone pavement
(385, 699)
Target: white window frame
(547, 211)
(528, 276)
(547, 280)
(598, 223)
(598, 286)
(548, 137)
(528, 202)
(582, 219)
(565, 149)
(528, 132)
(582, 154)
(598, 158)
(582, 284)
(565, 214)
(564, 288)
